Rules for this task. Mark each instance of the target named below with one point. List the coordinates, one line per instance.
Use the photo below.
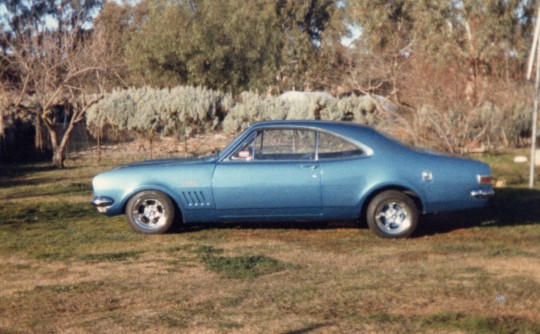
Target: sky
(50, 22)
(355, 33)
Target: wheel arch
(176, 201)
(374, 192)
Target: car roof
(363, 135)
(329, 125)
(346, 129)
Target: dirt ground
(200, 144)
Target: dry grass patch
(328, 291)
(65, 268)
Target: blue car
(296, 170)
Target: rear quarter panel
(453, 180)
(347, 186)
(393, 164)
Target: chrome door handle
(310, 166)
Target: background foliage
(443, 74)
(184, 110)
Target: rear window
(334, 147)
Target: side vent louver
(195, 198)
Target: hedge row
(184, 110)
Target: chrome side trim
(482, 194)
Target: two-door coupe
(296, 170)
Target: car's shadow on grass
(509, 207)
(271, 225)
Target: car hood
(163, 162)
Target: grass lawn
(66, 268)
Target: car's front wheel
(392, 214)
(150, 212)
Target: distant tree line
(455, 68)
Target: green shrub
(487, 125)
(298, 106)
(179, 111)
(184, 110)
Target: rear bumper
(102, 203)
(482, 193)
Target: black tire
(150, 212)
(392, 214)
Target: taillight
(485, 179)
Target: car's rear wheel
(392, 214)
(150, 212)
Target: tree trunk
(99, 144)
(151, 146)
(58, 156)
(60, 152)
(59, 144)
(59, 147)
(2, 134)
(39, 133)
(471, 86)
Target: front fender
(120, 207)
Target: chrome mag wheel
(394, 218)
(150, 212)
(392, 214)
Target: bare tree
(59, 69)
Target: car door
(345, 167)
(272, 174)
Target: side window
(285, 144)
(278, 144)
(333, 147)
(245, 152)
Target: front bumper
(482, 193)
(102, 203)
